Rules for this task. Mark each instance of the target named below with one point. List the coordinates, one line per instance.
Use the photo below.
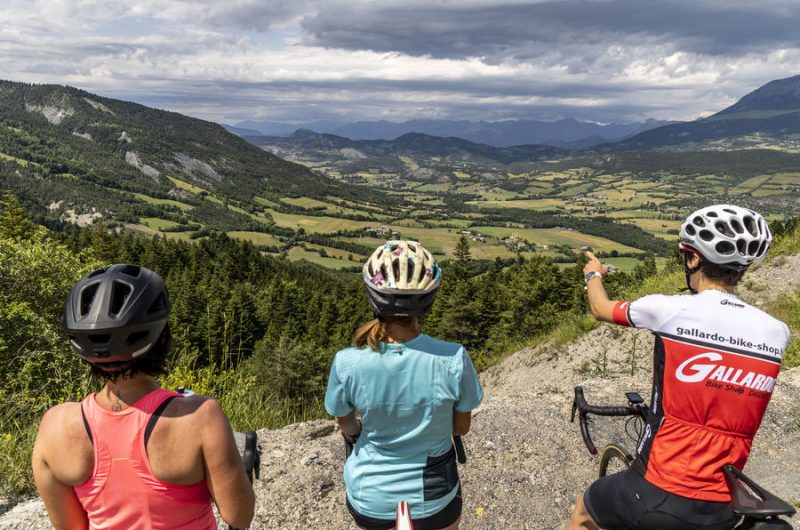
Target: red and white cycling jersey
(715, 365)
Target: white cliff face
(52, 114)
(133, 159)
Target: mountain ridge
(560, 133)
(770, 114)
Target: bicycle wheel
(613, 459)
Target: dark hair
(717, 273)
(153, 363)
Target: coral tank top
(122, 492)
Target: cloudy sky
(302, 60)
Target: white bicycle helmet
(727, 235)
(401, 278)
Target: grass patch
(257, 238)
(156, 223)
(557, 237)
(163, 202)
(317, 225)
(787, 308)
(299, 253)
(21, 162)
(183, 185)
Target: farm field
(163, 202)
(317, 225)
(257, 238)
(557, 237)
(299, 253)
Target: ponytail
(370, 334)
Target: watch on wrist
(592, 274)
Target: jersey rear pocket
(440, 475)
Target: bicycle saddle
(748, 499)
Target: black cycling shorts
(441, 519)
(626, 501)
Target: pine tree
(13, 222)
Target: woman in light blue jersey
(413, 393)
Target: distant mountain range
(566, 133)
(768, 115)
(331, 146)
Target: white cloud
(236, 60)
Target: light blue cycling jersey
(406, 394)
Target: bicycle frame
(758, 508)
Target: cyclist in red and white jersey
(715, 364)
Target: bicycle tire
(614, 457)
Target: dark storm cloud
(521, 31)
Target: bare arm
(462, 421)
(63, 508)
(599, 303)
(225, 472)
(348, 424)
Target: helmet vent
(725, 247)
(699, 221)
(136, 337)
(724, 228)
(87, 297)
(706, 235)
(132, 270)
(728, 210)
(100, 339)
(750, 225)
(762, 248)
(119, 295)
(690, 230)
(752, 248)
(160, 304)
(741, 246)
(737, 227)
(712, 214)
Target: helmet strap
(688, 271)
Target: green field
(526, 204)
(557, 237)
(156, 223)
(318, 225)
(183, 185)
(163, 202)
(257, 238)
(21, 162)
(298, 253)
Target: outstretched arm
(63, 508)
(225, 472)
(599, 303)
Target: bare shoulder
(63, 419)
(198, 414)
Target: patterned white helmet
(727, 235)
(402, 279)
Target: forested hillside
(67, 149)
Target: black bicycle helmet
(116, 314)
(401, 279)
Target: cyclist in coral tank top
(134, 456)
